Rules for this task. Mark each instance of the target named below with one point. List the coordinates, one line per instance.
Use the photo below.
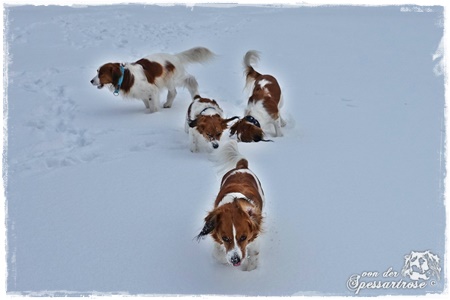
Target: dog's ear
(210, 224)
(192, 123)
(230, 119)
(234, 128)
(115, 72)
(226, 121)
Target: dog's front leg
(251, 262)
(219, 254)
(193, 143)
(146, 103)
(153, 102)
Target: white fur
(248, 263)
(197, 142)
(248, 171)
(150, 93)
(230, 197)
(227, 157)
(258, 111)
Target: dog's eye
(226, 239)
(242, 238)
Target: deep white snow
(104, 198)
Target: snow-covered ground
(104, 198)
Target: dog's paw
(250, 265)
(167, 105)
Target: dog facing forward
(236, 220)
(145, 78)
(205, 124)
(263, 107)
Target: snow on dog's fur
(236, 219)
(145, 78)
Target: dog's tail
(228, 157)
(196, 55)
(251, 58)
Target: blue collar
(119, 84)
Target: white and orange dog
(263, 107)
(145, 78)
(236, 220)
(205, 124)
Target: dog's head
(421, 265)
(233, 225)
(211, 127)
(108, 73)
(247, 130)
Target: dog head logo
(421, 266)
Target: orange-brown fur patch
(110, 73)
(245, 217)
(152, 70)
(211, 127)
(169, 67)
(246, 132)
(270, 93)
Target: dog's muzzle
(96, 82)
(236, 260)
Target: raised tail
(196, 55)
(228, 157)
(251, 58)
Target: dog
(235, 222)
(421, 266)
(205, 124)
(145, 78)
(263, 107)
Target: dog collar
(252, 120)
(119, 84)
(206, 108)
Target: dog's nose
(235, 260)
(92, 81)
(215, 145)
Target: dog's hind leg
(282, 122)
(277, 124)
(192, 85)
(172, 92)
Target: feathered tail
(196, 55)
(251, 58)
(228, 157)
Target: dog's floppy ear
(225, 121)
(115, 72)
(234, 127)
(192, 123)
(230, 119)
(210, 224)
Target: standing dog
(263, 105)
(235, 222)
(205, 124)
(145, 78)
